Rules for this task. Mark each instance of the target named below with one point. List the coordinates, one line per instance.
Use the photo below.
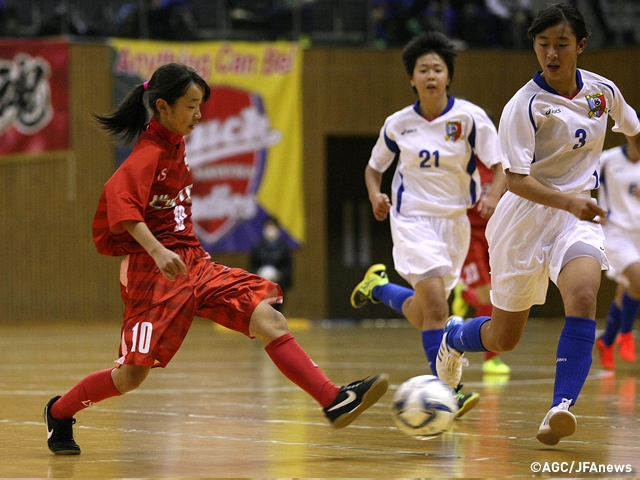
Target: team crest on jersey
(597, 104)
(454, 131)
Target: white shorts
(527, 246)
(623, 250)
(425, 247)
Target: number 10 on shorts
(141, 340)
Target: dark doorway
(356, 240)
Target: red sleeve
(127, 191)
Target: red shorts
(158, 312)
(476, 271)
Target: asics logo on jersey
(408, 130)
(549, 111)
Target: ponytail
(169, 82)
(128, 120)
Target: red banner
(34, 107)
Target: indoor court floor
(221, 409)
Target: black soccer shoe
(355, 398)
(60, 432)
(466, 401)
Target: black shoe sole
(65, 452)
(377, 390)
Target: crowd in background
(377, 23)
(490, 23)
(477, 23)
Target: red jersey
(153, 185)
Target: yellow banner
(246, 152)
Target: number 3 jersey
(436, 174)
(153, 185)
(558, 140)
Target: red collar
(156, 128)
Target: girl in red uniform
(167, 278)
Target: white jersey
(436, 174)
(620, 180)
(540, 131)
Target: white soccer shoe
(450, 361)
(558, 423)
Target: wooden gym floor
(221, 409)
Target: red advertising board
(34, 106)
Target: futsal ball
(424, 407)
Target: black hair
(169, 82)
(557, 13)
(430, 42)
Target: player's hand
(169, 263)
(587, 209)
(487, 205)
(381, 206)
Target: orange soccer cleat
(627, 347)
(607, 359)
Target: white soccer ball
(424, 407)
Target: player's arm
(169, 263)
(380, 202)
(633, 151)
(634, 147)
(488, 204)
(528, 187)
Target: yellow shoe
(375, 277)
(495, 366)
(459, 307)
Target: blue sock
(613, 325)
(630, 308)
(466, 337)
(431, 340)
(573, 358)
(392, 295)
